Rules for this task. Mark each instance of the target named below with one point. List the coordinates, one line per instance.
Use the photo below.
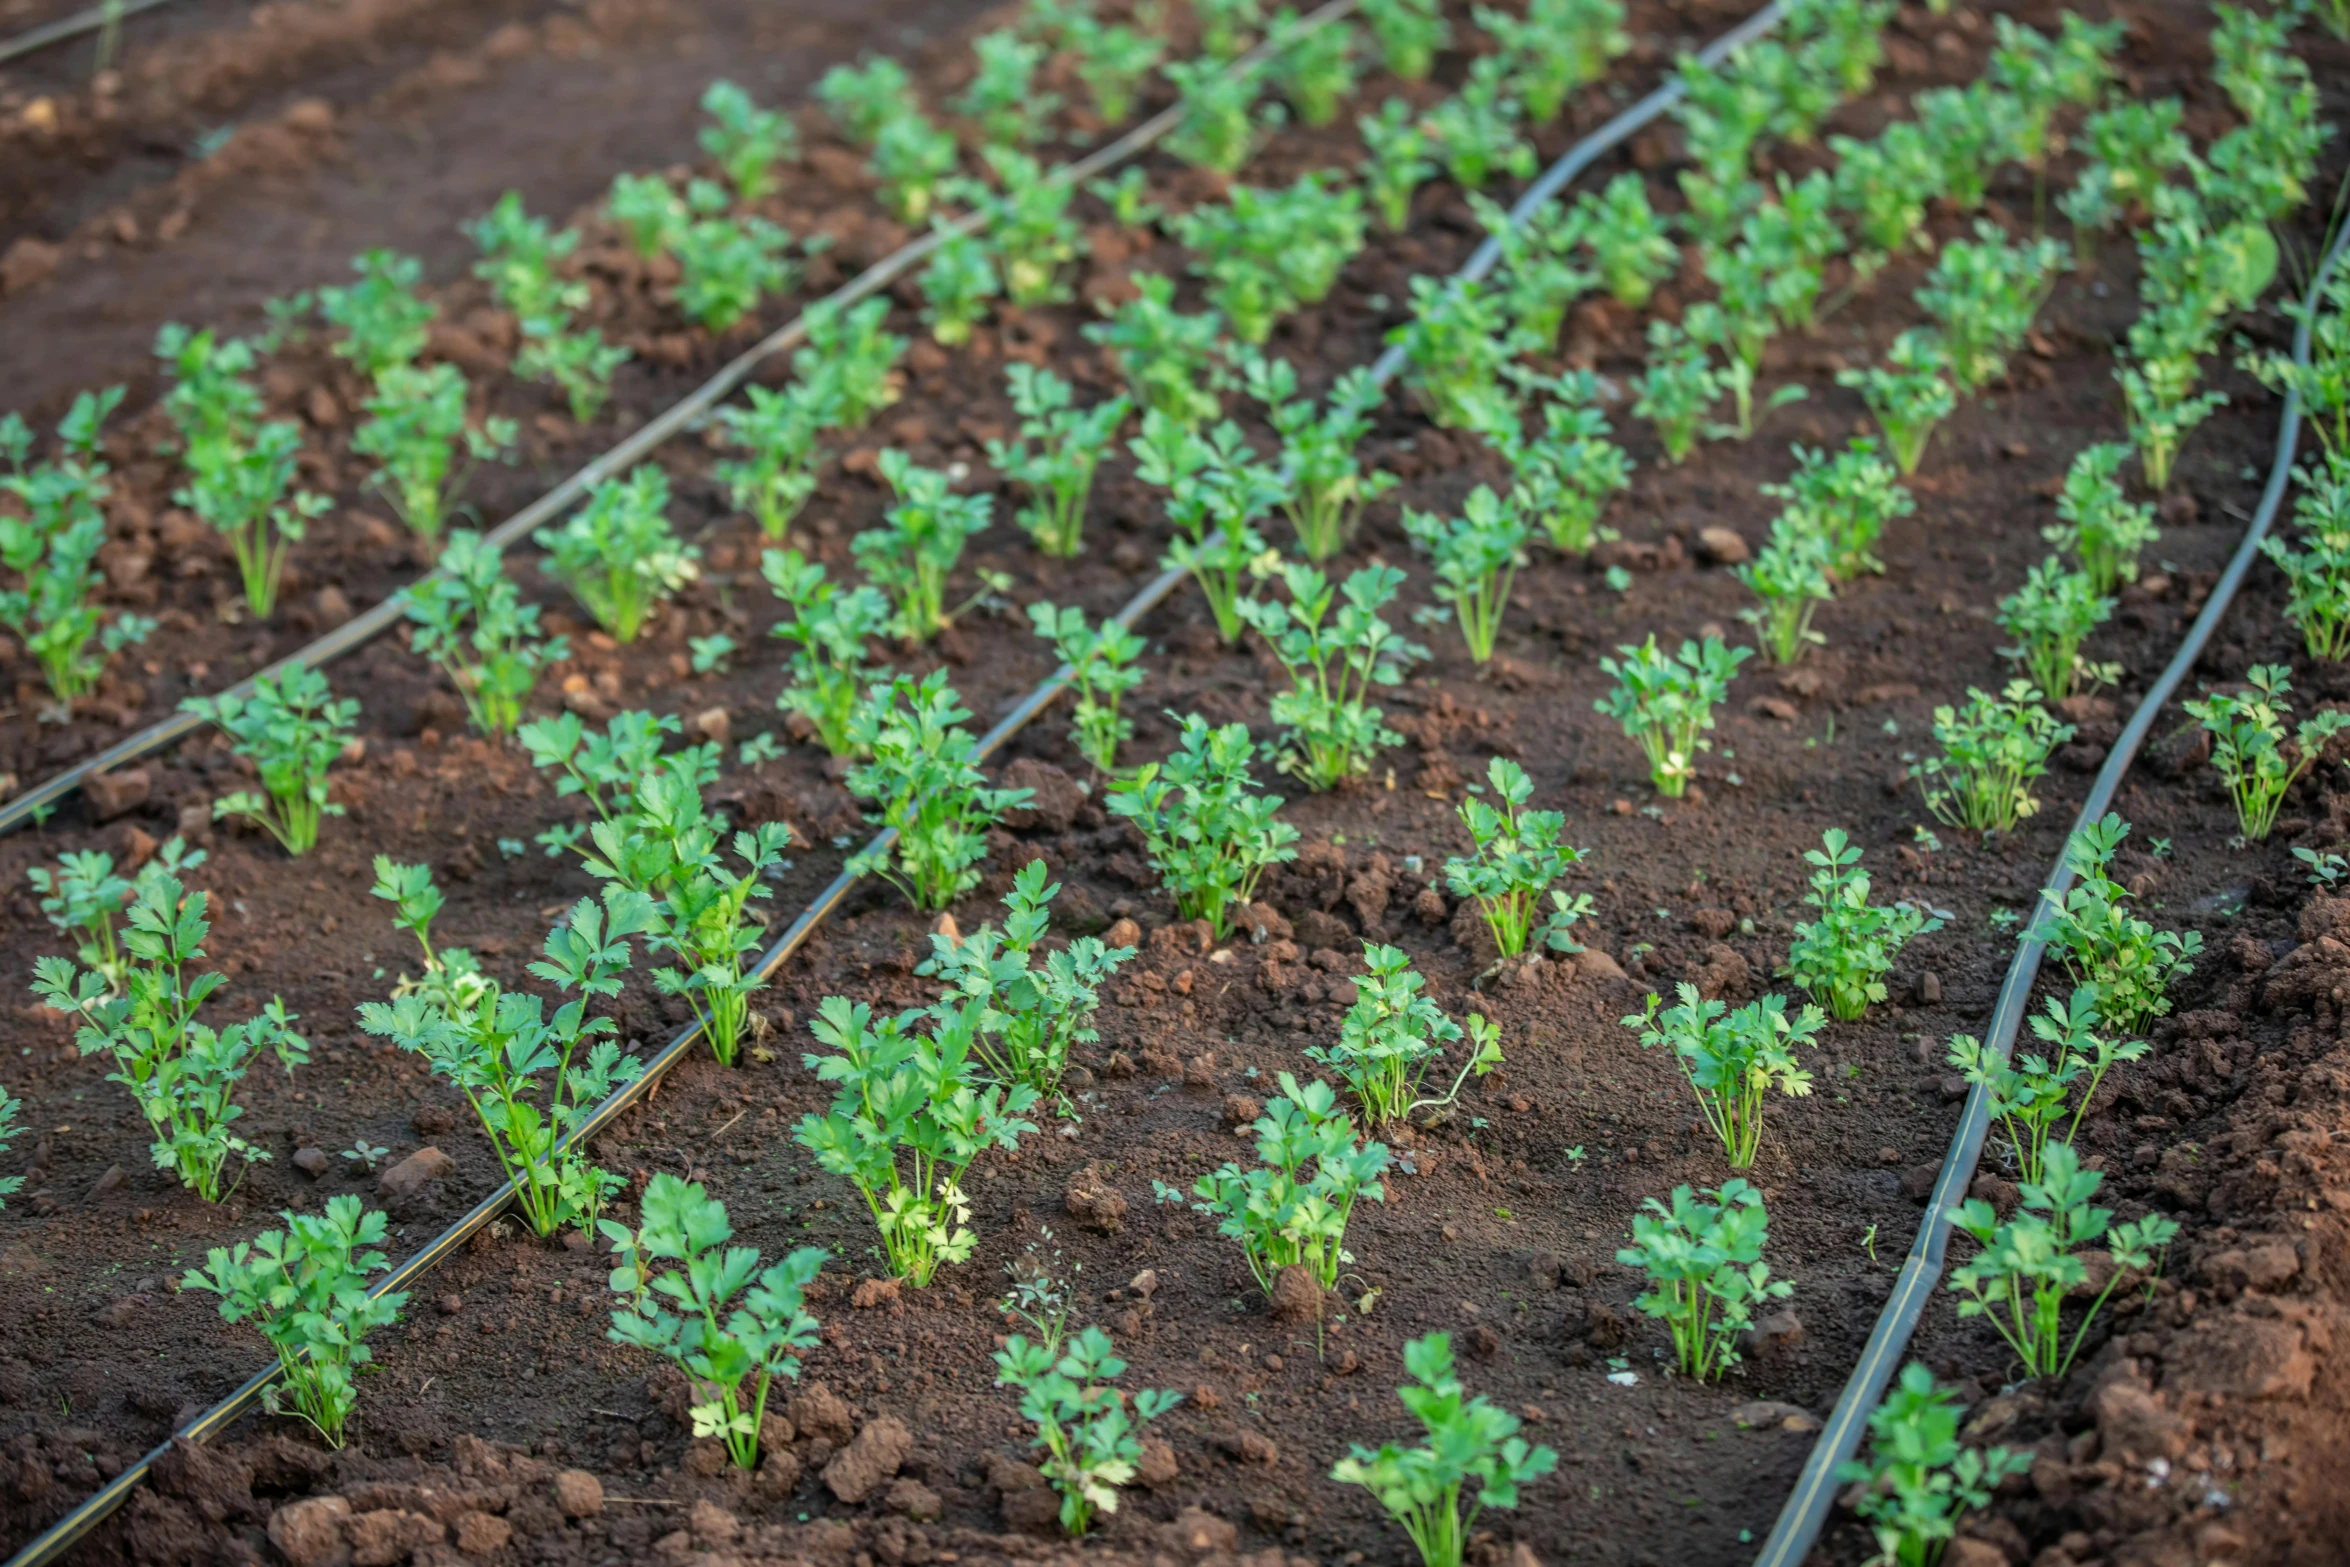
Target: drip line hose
(95, 19)
(364, 628)
(68, 1530)
(1806, 1508)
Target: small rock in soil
(482, 1534)
(1297, 1294)
(706, 1459)
(578, 1494)
(1764, 1414)
(1200, 1532)
(432, 1121)
(1917, 1182)
(379, 1539)
(779, 1472)
(1429, 907)
(873, 1457)
(1715, 923)
(1240, 1109)
(819, 1412)
(1723, 546)
(312, 1162)
(1248, 1447)
(112, 794)
(1122, 933)
(414, 1173)
(1036, 1512)
(309, 1533)
(1544, 1268)
(1200, 1071)
(114, 1179)
(910, 1498)
(871, 1293)
(1484, 1342)
(1778, 1334)
(1158, 1466)
(1094, 1202)
(1054, 797)
(1929, 989)
(2131, 1424)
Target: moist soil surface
(1500, 1223)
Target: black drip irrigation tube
(95, 19)
(361, 629)
(1806, 1508)
(70, 1529)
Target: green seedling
(291, 729)
(1283, 1215)
(608, 769)
(2050, 616)
(1555, 48)
(305, 1287)
(850, 363)
(1843, 956)
(1918, 1481)
(2097, 522)
(1703, 1258)
(1847, 500)
(1630, 248)
(1677, 390)
(1102, 668)
(958, 284)
(1477, 555)
(1992, 749)
(907, 1119)
(1666, 703)
(1210, 837)
(922, 782)
(2029, 1093)
(1475, 131)
(83, 893)
(647, 209)
(416, 429)
(1468, 1439)
(1029, 228)
(828, 629)
(2317, 576)
(1216, 492)
(1789, 577)
(863, 98)
(1982, 295)
(1003, 98)
(1113, 61)
(1519, 856)
(54, 547)
(618, 554)
(727, 265)
(735, 1327)
(1221, 123)
(1732, 1059)
(470, 619)
(913, 161)
(746, 141)
(2247, 731)
(1091, 1446)
(1393, 1035)
(577, 361)
(1409, 34)
(1055, 454)
(1325, 486)
(1908, 396)
(243, 487)
(1166, 356)
(1456, 348)
(910, 556)
(1314, 68)
(384, 324)
(2132, 965)
(777, 433)
(1332, 660)
(1268, 253)
(1395, 161)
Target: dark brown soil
(1500, 1227)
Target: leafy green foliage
(1266, 253)
(1677, 390)
(733, 1323)
(1568, 470)
(2097, 521)
(54, 548)
(910, 556)
(727, 265)
(1539, 270)
(182, 1074)
(1629, 245)
(384, 324)
(2103, 944)
(1221, 122)
(850, 361)
(415, 428)
(1208, 834)
(923, 783)
(576, 360)
(1909, 395)
(1325, 486)
(2050, 616)
(1409, 34)
(907, 1118)
(2317, 576)
(1314, 67)
(1216, 492)
(863, 98)
(291, 729)
(1468, 1439)
(240, 468)
(1102, 667)
(2248, 743)
(305, 1287)
(608, 769)
(1164, 354)
(1982, 295)
(1227, 27)
(1789, 578)
(1282, 1215)
(1113, 61)
(1037, 1012)
(1475, 131)
(913, 160)
(746, 140)
(1733, 1059)
(1055, 455)
(1666, 702)
(648, 210)
(1992, 749)
(618, 555)
(1393, 1034)
(1842, 957)
(496, 1045)
(1703, 1258)
(2029, 1093)
(1091, 1445)
(1395, 161)
(1331, 731)
(958, 284)
(2324, 383)
(1917, 1480)
(1477, 555)
(1518, 855)
(82, 894)
(1886, 185)
(776, 431)
(1003, 97)
(470, 619)
(1846, 500)
(10, 1185)
(1029, 227)
(1456, 348)
(2046, 74)
(1556, 47)
(829, 628)
(2019, 1280)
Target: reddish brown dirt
(1504, 1229)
